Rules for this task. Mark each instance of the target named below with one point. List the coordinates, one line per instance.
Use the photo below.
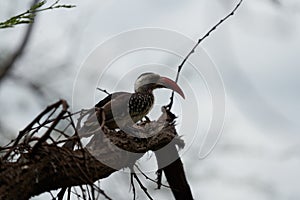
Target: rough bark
(170, 163)
(51, 167)
(37, 161)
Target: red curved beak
(170, 84)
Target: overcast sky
(254, 57)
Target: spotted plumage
(140, 104)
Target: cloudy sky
(249, 65)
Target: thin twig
(61, 194)
(83, 192)
(8, 65)
(141, 185)
(28, 16)
(30, 126)
(55, 122)
(69, 193)
(148, 178)
(132, 184)
(76, 132)
(88, 192)
(98, 186)
(103, 90)
(76, 193)
(159, 177)
(67, 116)
(51, 194)
(169, 106)
(101, 192)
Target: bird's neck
(147, 95)
(145, 91)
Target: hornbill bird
(123, 109)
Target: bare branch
(132, 185)
(53, 125)
(103, 90)
(169, 106)
(152, 180)
(141, 185)
(27, 17)
(8, 65)
(39, 163)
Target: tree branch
(30, 168)
(28, 18)
(8, 65)
(179, 68)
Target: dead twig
(55, 122)
(8, 65)
(132, 185)
(169, 106)
(152, 180)
(30, 127)
(103, 90)
(141, 185)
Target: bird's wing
(116, 110)
(108, 98)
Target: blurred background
(256, 53)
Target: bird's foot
(147, 119)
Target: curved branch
(169, 106)
(51, 167)
(8, 65)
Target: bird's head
(147, 82)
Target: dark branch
(174, 172)
(33, 164)
(132, 185)
(103, 90)
(28, 16)
(8, 65)
(141, 185)
(30, 127)
(150, 179)
(169, 106)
